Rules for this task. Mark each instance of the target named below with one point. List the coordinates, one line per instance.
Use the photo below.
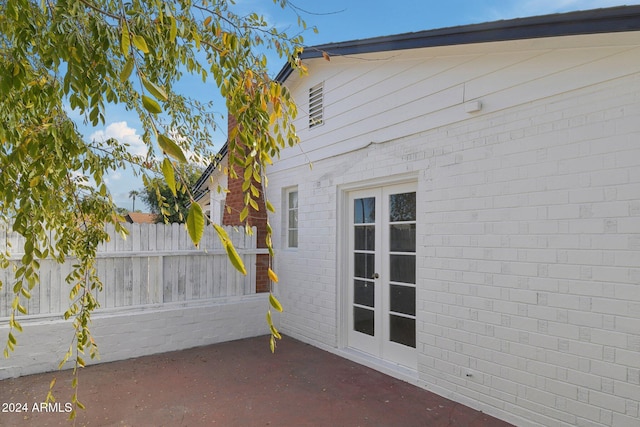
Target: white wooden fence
(154, 265)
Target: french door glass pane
(402, 238)
(363, 321)
(402, 330)
(363, 293)
(402, 268)
(364, 265)
(403, 299)
(364, 238)
(364, 210)
(402, 207)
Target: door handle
(375, 276)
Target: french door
(382, 273)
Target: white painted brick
(627, 391)
(529, 243)
(610, 338)
(45, 341)
(624, 420)
(607, 401)
(588, 415)
(610, 306)
(627, 358)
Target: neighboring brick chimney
(235, 201)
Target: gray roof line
(198, 193)
(608, 20)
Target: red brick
(234, 204)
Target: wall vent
(316, 106)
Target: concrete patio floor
(238, 383)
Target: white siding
(529, 233)
(392, 95)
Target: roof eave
(609, 20)
(209, 171)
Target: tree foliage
(60, 58)
(161, 200)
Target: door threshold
(395, 370)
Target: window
(316, 107)
(292, 217)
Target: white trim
(285, 210)
(342, 268)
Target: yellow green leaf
(125, 40)
(248, 172)
(256, 176)
(127, 69)
(65, 358)
(269, 320)
(244, 214)
(272, 275)
(155, 90)
(169, 146)
(270, 207)
(222, 233)
(274, 302)
(151, 105)
(169, 175)
(275, 332)
(235, 259)
(140, 43)
(173, 29)
(272, 344)
(195, 223)
(25, 293)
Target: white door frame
(342, 243)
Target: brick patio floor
(238, 383)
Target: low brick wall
(133, 332)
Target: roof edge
(594, 21)
(208, 172)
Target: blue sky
(341, 20)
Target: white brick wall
(557, 192)
(529, 258)
(139, 332)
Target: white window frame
(288, 211)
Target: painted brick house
(472, 220)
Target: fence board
(155, 264)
